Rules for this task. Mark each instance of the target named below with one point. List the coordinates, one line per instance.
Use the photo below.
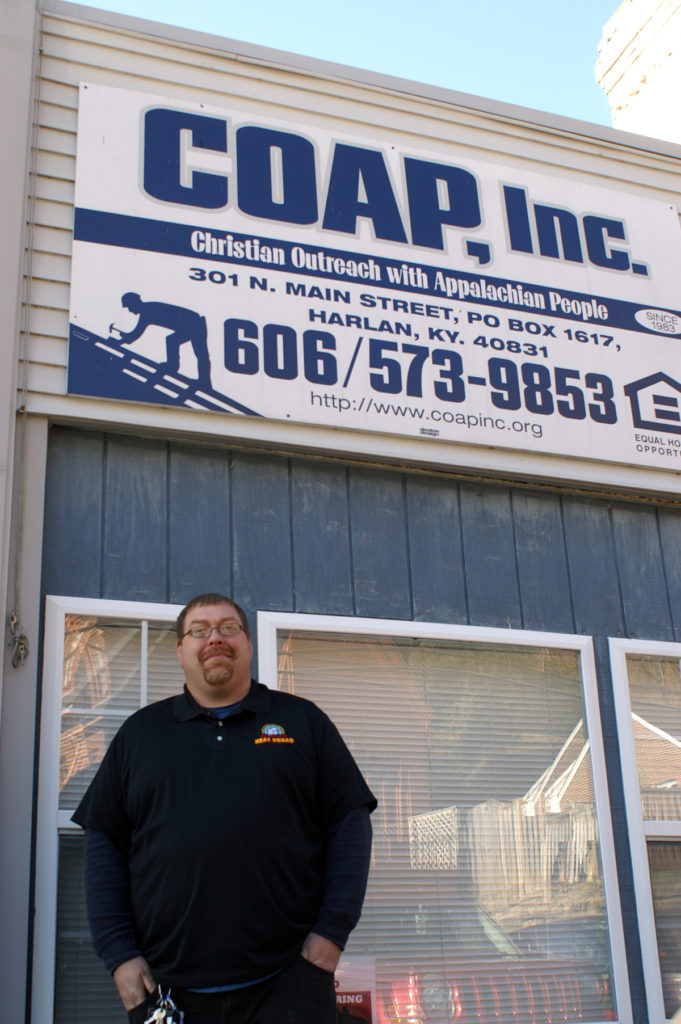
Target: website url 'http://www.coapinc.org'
(468, 420)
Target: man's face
(217, 668)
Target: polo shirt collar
(185, 707)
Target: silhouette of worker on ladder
(184, 324)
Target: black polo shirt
(224, 824)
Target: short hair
(130, 300)
(205, 599)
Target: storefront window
(83, 988)
(111, 665)
(486, 898)
(648, 691)
(665, 877)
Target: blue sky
(535, 53)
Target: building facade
(398, 369)
(638, 67)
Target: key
(159, 1016)
(165, 1011)
(173, 1015)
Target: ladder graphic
(115, 363)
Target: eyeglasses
(202, 632)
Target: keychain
(165, 1011)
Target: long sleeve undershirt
(107, 888)
(107, 894)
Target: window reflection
(664, 859)
(111, 668)
(102, 685)
(655, 693)
(487, 877)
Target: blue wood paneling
(642, 578)
(199, 524)
(542, 563)
(135, 540)
(670, 539)
(261, 533)
(435, 552)
(72, 538)
(594, 581)
(489, 556)
(143, 519)
(321, 538)
(379, 544)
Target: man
(183, 324)
(227, 841)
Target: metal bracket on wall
(19, 639)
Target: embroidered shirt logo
(272, 733)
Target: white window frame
(641, 830)
(51, 822)
(269, 623)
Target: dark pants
(198, 338)
(301, 994)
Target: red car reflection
(441, 965)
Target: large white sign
(263, 268)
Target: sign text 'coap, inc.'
(277, 179)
